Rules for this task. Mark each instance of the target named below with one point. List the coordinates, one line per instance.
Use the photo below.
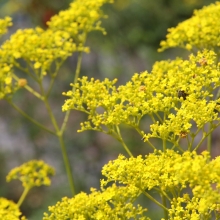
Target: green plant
(180, 96)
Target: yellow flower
(9, 210)
(4, 24)
(116, 202)
(32, 173)
(176, 95)
(200, 31)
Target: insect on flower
(203, 61)
(183, 134)
(181, 93)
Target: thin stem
(160, 119)
(120, 139)
(209, 139)
(204, 136)
(154, 200)
(67, 165)
(25, 70)
(60, 137)
(164, 145)
(53, 76)
(63, 148)
(23, 196)
(154, 148)
(29, 88)
(165, 205)
(78, 68)
(141, 133)
(29, 118)
(152, 117)
(162, 192)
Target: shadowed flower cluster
(31, 174)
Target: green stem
(63, 148)
(25, 70)
(24, 194)
(67, 165)
(29, 88)
(165, 205)
(141, 133)
(160, 119)
(204, 136)
(209, 139)
(53, 76)
(154, 200)
(78, 68)
(29, 118)
(120, 139)
(154, 148)
(164, 145)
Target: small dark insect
(181, 93)
(203, 61)
(183, 134)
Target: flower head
(113, 203)
(4, 24)
(9, 210)
(31, 174)
(200, 31)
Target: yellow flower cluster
(40, 48)
(9, 210)
(82, 17)
(200, 31)
(6, 86)
(171, 173)
(31, 174)
(181, 89)
(116, 202)
(4, 24)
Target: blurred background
(134, 30)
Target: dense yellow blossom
(171, 172)
(200, 31)
(31, 174)
(113, 203)
(40, 49)
(9, 210)
(180, 89)
(4, 24)
(82, 17)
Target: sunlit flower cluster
(171, 172)
(41, 49)
(38, 48)
(200, 31)
(116, 202)
(82, 17)
(9, 210)
(181, 89)
(31, 174)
